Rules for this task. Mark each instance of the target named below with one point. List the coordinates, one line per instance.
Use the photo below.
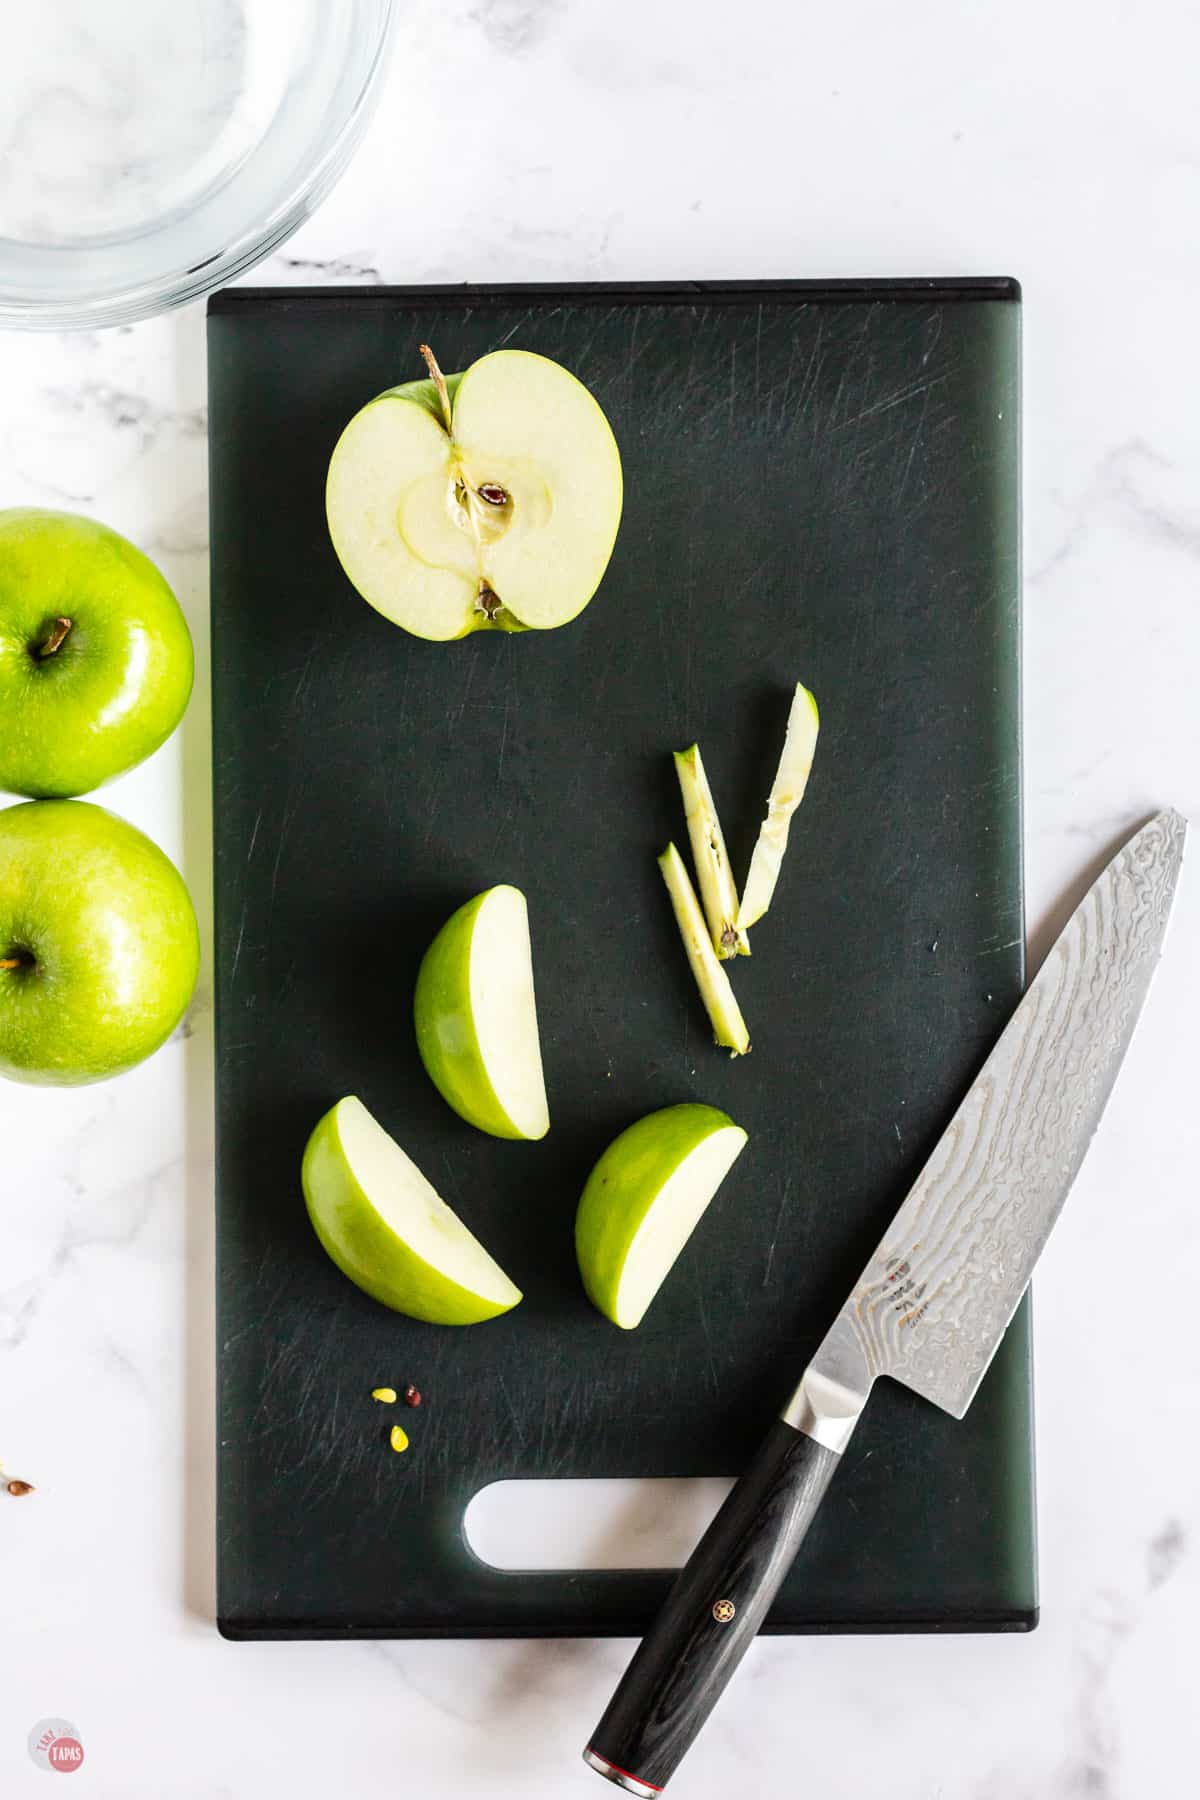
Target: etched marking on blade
(934, 1301)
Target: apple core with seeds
(487, 500)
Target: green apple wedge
(487, 500)
(643, 1200)
(95, 655)
(390, 1231)
(98, 944)
(476, 1017)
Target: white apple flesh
(787, 791)
(488, 500)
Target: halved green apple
(388, 1229)
(484, 500)
(643, 1200)
(476, 1017)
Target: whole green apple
(95, 655)
(98, 944)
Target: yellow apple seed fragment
(386, 1396)
(713, 872)
(729, 1027)
(398, 1438)
(787, 791)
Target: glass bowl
(151, 150)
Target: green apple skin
(105, 936)
(118, 684)
(624, 1185)
(425, 393)
(354, 1236)
(445, 1027)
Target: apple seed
(412, 1395)
(493, 493)
(487, 601)
(385, 1395)
(398, 1438)
(18, 1488)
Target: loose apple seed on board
(386, 1395)
(398, 1438)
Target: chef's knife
(931, 1306)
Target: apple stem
(439, 382)
(56, 639)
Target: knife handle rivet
(723, 1611)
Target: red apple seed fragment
(412, 1395)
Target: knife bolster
(825, 1408)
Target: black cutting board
(821, 483)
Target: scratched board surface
(821, 483)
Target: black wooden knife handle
(716, 1606)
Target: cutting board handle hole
(590, 1524)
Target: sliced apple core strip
(717, 890)
(504, 1009)
(787, 791)
(729, 1027)
(670, 1220)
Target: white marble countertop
(547, 139)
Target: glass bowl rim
(162, 293)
